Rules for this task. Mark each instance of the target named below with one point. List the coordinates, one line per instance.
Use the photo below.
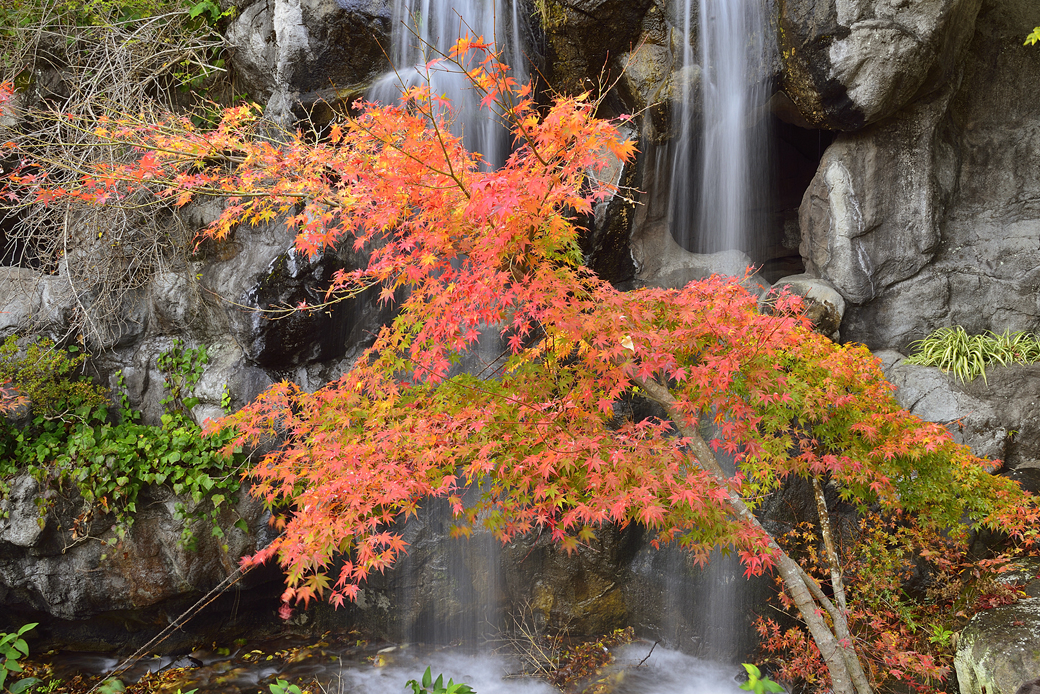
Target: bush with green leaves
(12, 649)
(110, 462)
(1033, 37)
(431, 686)
(283, 687)
(757, 683)
(952, 349)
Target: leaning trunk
(835, 645)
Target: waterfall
(422, 29)
(719, 170)
(466, 571)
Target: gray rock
(290, 51)
(824, 305)
(20, 290)
(999, 650)
(931, 217)
(997, 417)
(849, 63)
(859, 229)
(21, 525)
(30, 300)
(65, 568)
(585, 36)
(661, 262)
(653, 76)
(937, 397)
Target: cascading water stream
(717, 200)
(423, 30)
(721, 148)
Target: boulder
(584, 36)
(21, 524)
(661, 262)
(33, 301)
(998, 417)
(934, 396)
(998, 650)
(824, 306)
(653, 79)
(930, 217)
(70, 568)
(859, 229)
(849, 63)
(20, 290)
(290, 51)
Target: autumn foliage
(468, 255)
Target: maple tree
(464, 253)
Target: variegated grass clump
(967, 356)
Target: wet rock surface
(931, 216)
(998, 650)
(291, 51)
(583, 37)
(92, 588)
(998, 417)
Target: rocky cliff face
(929, 217)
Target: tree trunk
(835, 653)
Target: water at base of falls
(348, 668)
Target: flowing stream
(344, 667)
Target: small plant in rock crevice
(952, 349)
(47, 376)
(110, 462)
(182, 368)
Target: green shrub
(12, 649)
(431, 686)
(1034, 37)
(283, 687)
(967, 356)
(757, 683)
(109, 463)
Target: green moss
(46, 375)
(550, 14)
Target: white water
(724, 155)
(343, 669)
(424, 29)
